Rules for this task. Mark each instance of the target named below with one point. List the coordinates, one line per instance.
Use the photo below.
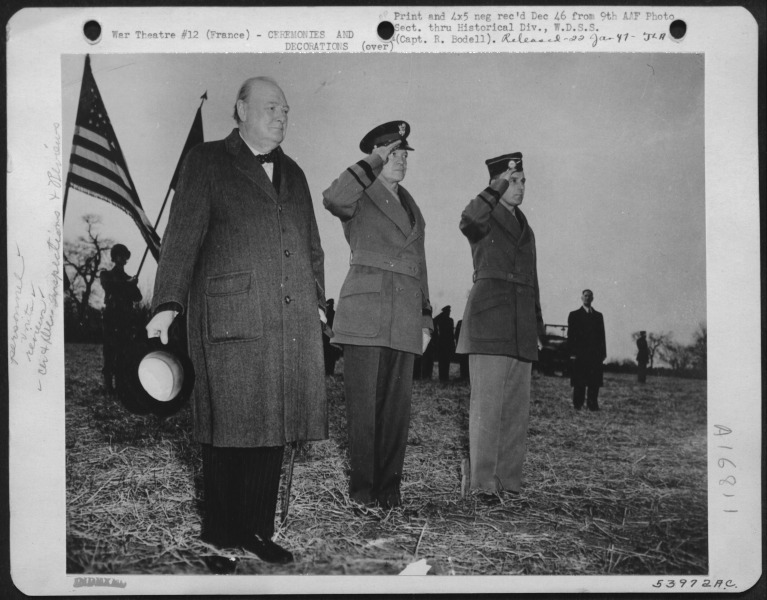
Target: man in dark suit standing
(241, 257)
(330, 351)
(586, 345)
(383, 317)
(643, 357)
(444, 336)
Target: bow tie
(267, 158)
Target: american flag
(97, 166)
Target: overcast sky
(613, 150)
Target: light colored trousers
(498, 416)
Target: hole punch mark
(678, 29)
(385, 30)
(92, 31)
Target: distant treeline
(629, 366)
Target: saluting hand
(510, 171)
(385, 151)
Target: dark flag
(97, 166)
(195, 137)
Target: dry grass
(622, 491)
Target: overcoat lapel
(416, 231)
(247, 164)
(390, 206)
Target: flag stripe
(90, 187)
(107, 191)
(86, 158)
(92, 136)
(87, 174)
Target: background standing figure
(586, 345)
(501, 327)
(384, 317)
(120, 294)
(427, 360)
(242, 258)
(643, 357)
(463, 359)
(444, 339)
(331, 352)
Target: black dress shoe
(267, 550)
(221, 565)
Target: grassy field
(621, 491)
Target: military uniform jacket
(120, 294)
(586, 345)
(246, 264)
(384, 300)
(503, 312)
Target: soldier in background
(463, 359)
(444, 339)
(427, 360)
(120, 293)
(643, 357)
(330, 351)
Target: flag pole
(172, 184)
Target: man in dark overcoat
(643, 357)
(444, 338)
(119, 320)
(383, 316)
(586, 345)
(330, 350)
(242, 258)
(501, 326)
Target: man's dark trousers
(241, 487)
(378, 384)
(579, 396)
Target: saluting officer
(501, 326)
(383, 318)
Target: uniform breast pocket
(232, 308)
(359, 305)
(492, 318)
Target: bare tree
(699, 348)
(654, 342)
(82, 263)
(677, 356)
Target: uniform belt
(512, 276)
(367, 258)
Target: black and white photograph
(320, 309)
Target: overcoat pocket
(492, 318)
(233, 308)
(359, 305)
